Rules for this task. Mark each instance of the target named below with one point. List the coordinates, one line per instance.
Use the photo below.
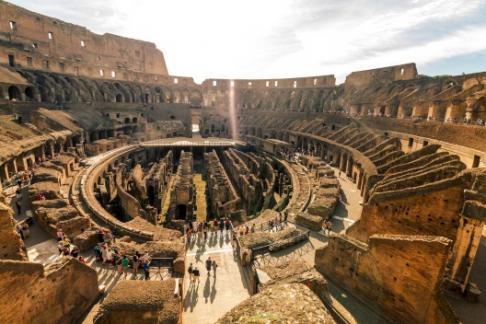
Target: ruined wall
(182, 198)
(11, 245)
(223, 197)
(73, 49)
(59, 293)
(426, 213)
(399, 275)
(387, 74)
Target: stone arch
(14, 93)
(195, 98)
(29, 93)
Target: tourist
(227, 224)
(136, 263)
(146, 270)
(97, 252)
(221, 225)
(60, 234)
(190, 271)
(214, 267)
(106, 254)
(205, 234)
(253, 228)
(208, 266)
(124, 265)
(196, 274)
(247, 230)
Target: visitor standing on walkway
(209, 263)
(136, 263)
(196, 274)
(190, 270)
(221, 225)
(214, 268)
(124, 265)
(146, 270)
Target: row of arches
(312, 99)
(58, 89)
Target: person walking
(209, 263)
(146, 270)
(124, 265)
(136, 263)
(214, 267)
(190, 270)
(196, 275)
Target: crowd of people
(66, 247)
(272, 225)
(197, 230)
(108, 254)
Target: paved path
(210, 298)
(349, 208)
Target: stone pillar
(5, 175)
(344, 161)
(43, 152)
(349, 166)
(51, 149)
(14, 165)
(465, 248)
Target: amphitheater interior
(312, 202)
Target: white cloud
(284, 38)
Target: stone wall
(58, 293)
(223, 197)
(386, 74)
(73, 49)
(182, 198)
(399, 275)
(11, 245)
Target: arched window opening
(119, 98)
(13, 93)
(29, 93)
(127, 120)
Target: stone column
(344, 160)
(349, 166)
(465, 248)
(5, 175)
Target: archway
(13, 93)
(181, 212)
(119, 98)
(29, 93)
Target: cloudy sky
(289, 38)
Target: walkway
(349, 207)
(207, 300)
(201, 202)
